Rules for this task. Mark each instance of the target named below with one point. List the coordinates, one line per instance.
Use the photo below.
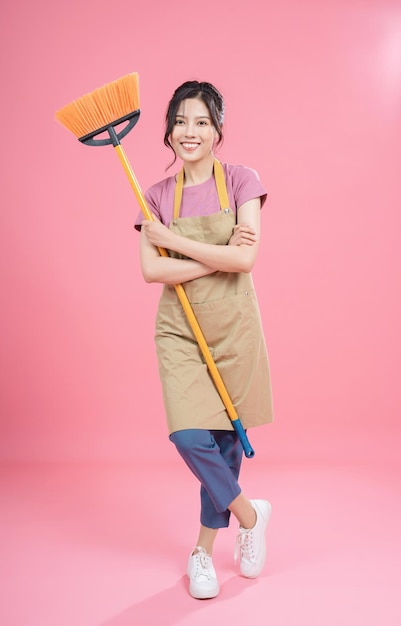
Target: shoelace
(202, 563)
(244, 544)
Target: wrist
(174, 241)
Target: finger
(248, 237)
(246, 230)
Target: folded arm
(168, 270)
(204, 258)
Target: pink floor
(106, 545)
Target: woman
(212, 249)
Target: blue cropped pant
(214, 457)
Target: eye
(178, 122)
(202, 123)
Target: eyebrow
(199, 117)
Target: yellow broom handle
(182, 296)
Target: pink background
(313, 95)
(313, 92)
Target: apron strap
(220, 184)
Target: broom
(99, 113)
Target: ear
(216, 135)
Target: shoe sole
(203, 595)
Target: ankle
(249, 521)
(198, 549)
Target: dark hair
(205, 92)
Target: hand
(157, 234)
(242, 234)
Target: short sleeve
(246, 184)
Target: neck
(197, 173)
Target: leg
(219, 487)
(231, 451)
(215, 459)
(206, 538)
(215, 466)
(243, 510)
(252, 515)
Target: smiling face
(193, 135)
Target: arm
(232, 258)
(160, 269)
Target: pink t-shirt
(242, 183)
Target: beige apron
(226, 308)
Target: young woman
(212, 249)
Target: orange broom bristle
(101, 107)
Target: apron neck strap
(220, 184)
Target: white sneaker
(202, 576)
(251, 542)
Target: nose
(190, 129)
